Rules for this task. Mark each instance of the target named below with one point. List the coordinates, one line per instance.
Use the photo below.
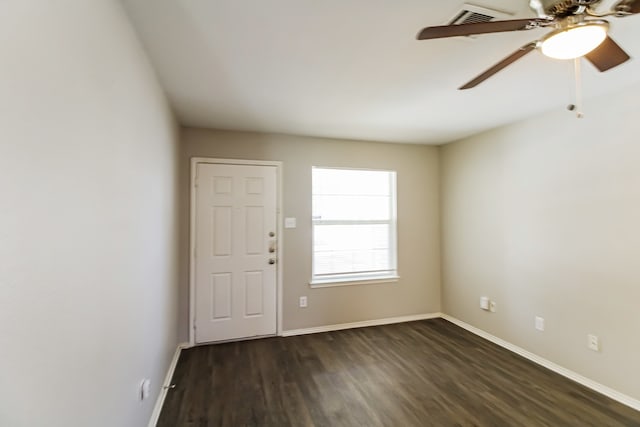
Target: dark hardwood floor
(426, 373)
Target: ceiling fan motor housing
(562, 8)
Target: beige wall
(88, 218)
(418, 290)
(543, 216)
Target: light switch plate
(289, 223)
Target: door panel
(253, 281)
(235, 285)
(221, 236)
(220, 296)
(254, 230)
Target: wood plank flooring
(425, 373)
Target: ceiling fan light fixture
(574, 40)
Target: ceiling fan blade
(629, 6)
(608, 55)
(443, 31)
(500, 65)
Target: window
(354, 226)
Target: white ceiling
(353, 69)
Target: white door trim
(195, 161)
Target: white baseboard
(167, 382)
(365, 323)
(593, 385)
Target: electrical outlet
(303, 302)
(145, 389)
(493, 306)
(484, 303)
(593, 342)
(539, 323)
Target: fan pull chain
(578, 78)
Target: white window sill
(328, 283)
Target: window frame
(360, 278)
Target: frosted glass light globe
(574, 41)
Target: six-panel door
(235, 260)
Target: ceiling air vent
(470, 14)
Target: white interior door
(235, 259)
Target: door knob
(272, 261)
(272, 234)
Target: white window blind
(354, 224)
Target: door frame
(195, 161)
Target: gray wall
(88, 221)
(543, 217)
(418, 290)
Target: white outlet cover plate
(593, 342)
(290, 223)
(539, 323)
(145, 389)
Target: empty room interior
(319, 213)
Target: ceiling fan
(578, 30)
